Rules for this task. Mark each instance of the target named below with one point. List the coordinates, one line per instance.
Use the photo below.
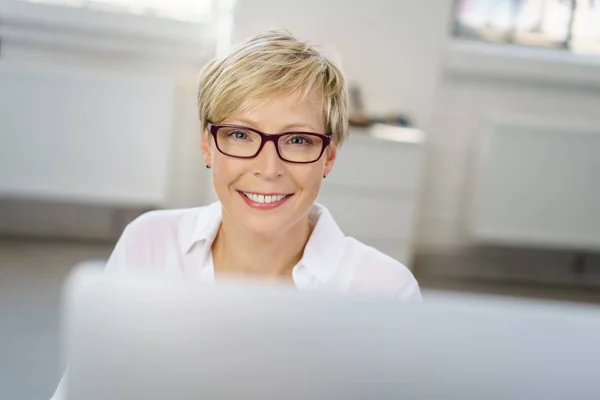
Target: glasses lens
(300, 147)
(238, 142)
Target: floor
(513, 289)
(31, 273)
(30, 280)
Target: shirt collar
(326, 245)
(322, 253)
(203, 227)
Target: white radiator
(538, 183)
(84, 135)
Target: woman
(272, 113)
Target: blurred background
(473, 158)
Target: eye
(299, 140)
(238, 135)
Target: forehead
(283, 110)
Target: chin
(265, 227)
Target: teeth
(259, 198)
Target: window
(184, 10)
(573, 25)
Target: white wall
(478, 85)
(398, 52)
(391, 48)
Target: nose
(267, 163)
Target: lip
(265, 194)
(265, 206)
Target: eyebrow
(286, 128)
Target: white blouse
(179, 242)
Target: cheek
(308, 179)
(226, 169)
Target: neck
(239, 253)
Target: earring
(324, 176)
(207, 166)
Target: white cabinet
(373, 188)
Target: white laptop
(141, 339)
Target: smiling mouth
(265, 198)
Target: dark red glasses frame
(265, 137)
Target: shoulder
(377, 273)
(162, 222)
(157, 227)
(154, 236)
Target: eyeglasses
(294, 147)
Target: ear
(205, 144)
(330, 154)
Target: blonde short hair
(269, 64)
